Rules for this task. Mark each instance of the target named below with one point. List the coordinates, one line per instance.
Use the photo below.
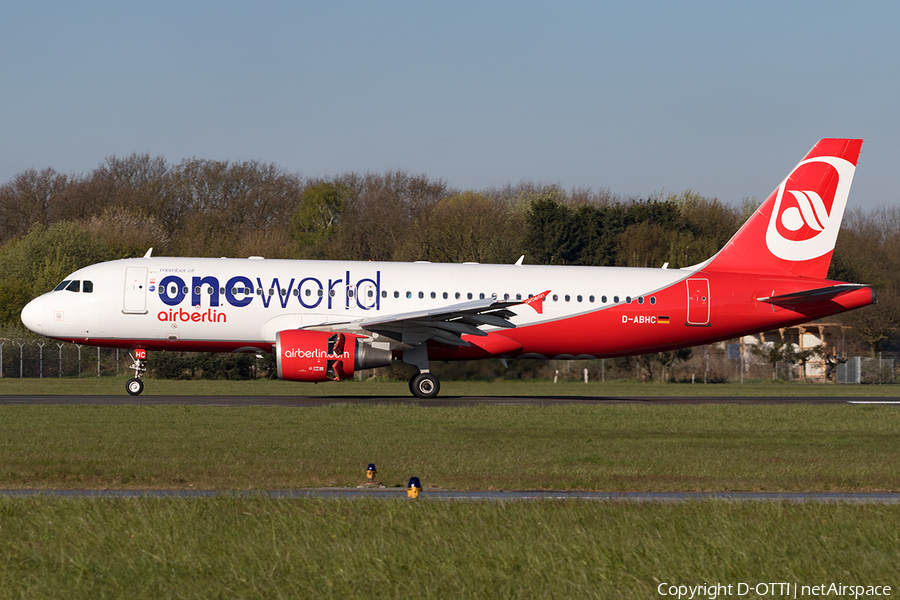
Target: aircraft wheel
(425, 385)
(134, 386)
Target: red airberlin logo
(807, 201)
(537, 302)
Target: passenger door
(698, 302)
(135, 291)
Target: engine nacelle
(324, 356)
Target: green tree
(30, 198)
(36, 263)
(317, 214)
(218, 203)
(771, 352)
(379, 212)
(868, 251)
(129, 232)
(468, 227)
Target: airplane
(325, 320)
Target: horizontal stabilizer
(816, 295)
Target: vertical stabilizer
(795, 229)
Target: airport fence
(38, 357)
(48, 358)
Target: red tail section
(794, 231)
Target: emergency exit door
(135, 290)
(698, 302)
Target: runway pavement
(306, 401)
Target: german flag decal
(663, 320)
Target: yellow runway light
(413, 487)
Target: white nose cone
(32, 315)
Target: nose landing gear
(135, 385)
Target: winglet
(537, 302)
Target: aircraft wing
(446, 324)
(816, 295)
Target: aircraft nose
(32, 315)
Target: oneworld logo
(343, 291)
(809, 206)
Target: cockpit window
(74, 286)
(61, 286)
(87, 287)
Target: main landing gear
(135, 385)
(424, 385)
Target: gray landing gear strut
(135, 385)
(423, 384)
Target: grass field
(263, 548)
(596, 447)
(116, 386)
(259, 547)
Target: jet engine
(324, 356)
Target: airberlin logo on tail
(810, 213)
(809, 206)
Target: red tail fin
(796, 228)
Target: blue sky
(635, 97)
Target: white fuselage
(184, 300)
